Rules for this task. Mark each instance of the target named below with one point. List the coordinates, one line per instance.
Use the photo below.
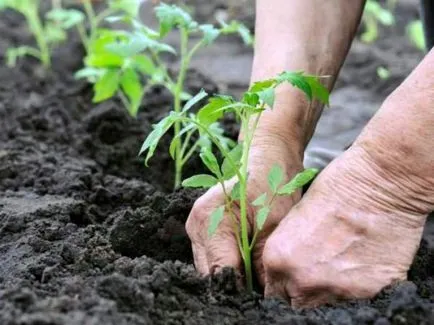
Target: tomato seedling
(128, 63)
(47, 32)
(373, 15)
(248, 110)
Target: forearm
(405, 122)
(309, 35)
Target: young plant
(373, 15)
(128, 9)
(129, 63)
(248, 110)
(47, 33)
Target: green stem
(243, 219)
(190, 152)
(185, 61)
(246, 245)
(37, 28)
(91, 16)
(83, 37)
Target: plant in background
(129, 63)
(383, 73)
(47, 33)
(373, 15)
(52, 30)
(248, 110)
(416, 35)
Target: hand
(355, 231)
(221, 249)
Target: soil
(89, 236)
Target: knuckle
(276, 258)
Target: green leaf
(319, 92)
(91, 74)
(383, 73)
(261, 216)
(235, 154)
(171, 16)
(204, 181)
(210, 33)
(210, 113)
(151, 142)
(210, 161)
(235, 193)
(131, 86)
(107, 86)
(194, 100)
(260, 200)
(131, 7)
(237, 27)
(275, 177)
(65, 18)
(251, 99)
(298, 181)
(298, 80)
(310, 85)
(215, 219)
(262, 85)
(267, 96)
(144, 64)
(416, 35)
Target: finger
(222, 248)
(200, 259)
(276, 288)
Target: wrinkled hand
(221, 249)
(347, 238)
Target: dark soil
(89, 236)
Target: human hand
(211, 253)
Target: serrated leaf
(151, 142)
(235, 154)
(215, 219)
(171, 16)
(210, 161)
(298, 80)
(267, 96)
(319, 92)
(235, 192)
(262, 85)
(65, 18)
(194, 100)
(144, 64)
(210, 113)
(261, 216)
(203, 181)
(210, 33)
(298, 181)
(275, 177)
(237, 27)
(310, 85)
(131, 86)
(106, 86)
(260, 200)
